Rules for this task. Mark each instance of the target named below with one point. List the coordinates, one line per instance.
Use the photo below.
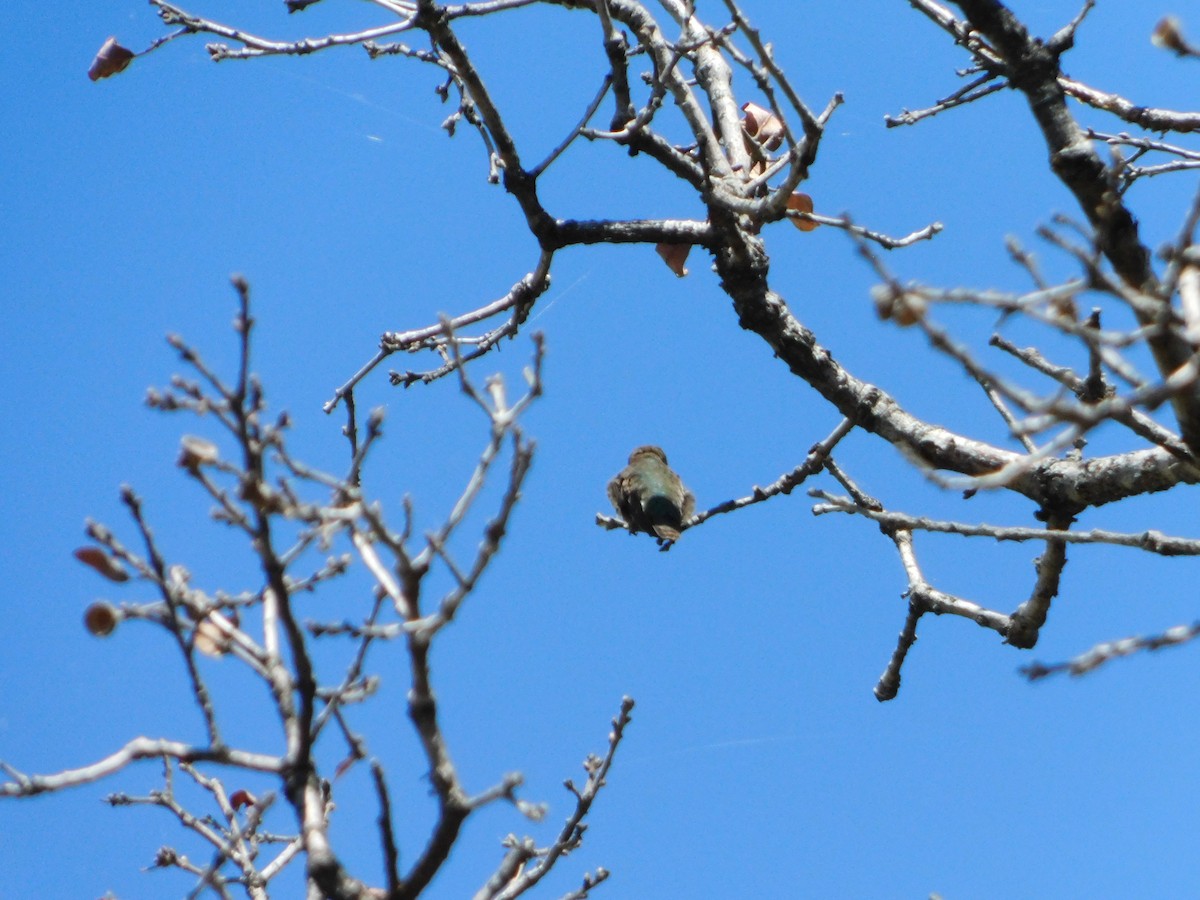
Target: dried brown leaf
(762, 126)
(102, 563)
(195, 452)
(111, 59)
(901, 307)
(803, 203)
(242, 797)
(1168, 33)
(762, 132)
(210, 639)
(675, 256)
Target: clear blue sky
(758, 763)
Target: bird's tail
(666, 532)
(664, 517)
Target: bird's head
(648, 451)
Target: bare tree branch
(1110, 650)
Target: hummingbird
(650, 497)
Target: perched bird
(650, 497)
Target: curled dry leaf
(102, 563)
(762, 132)
(111, 59)
(762, 126)
(909, 311)
(262, 496)
(101, 618)
(901, 307)
(675, 256)
(801, 203)
(1168, 33)
(195, 452)
(534, 812)
(242, 797)
(211, 640)
(1064, 308)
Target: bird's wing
(624, 498)
(614, 492)
(688, 506)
